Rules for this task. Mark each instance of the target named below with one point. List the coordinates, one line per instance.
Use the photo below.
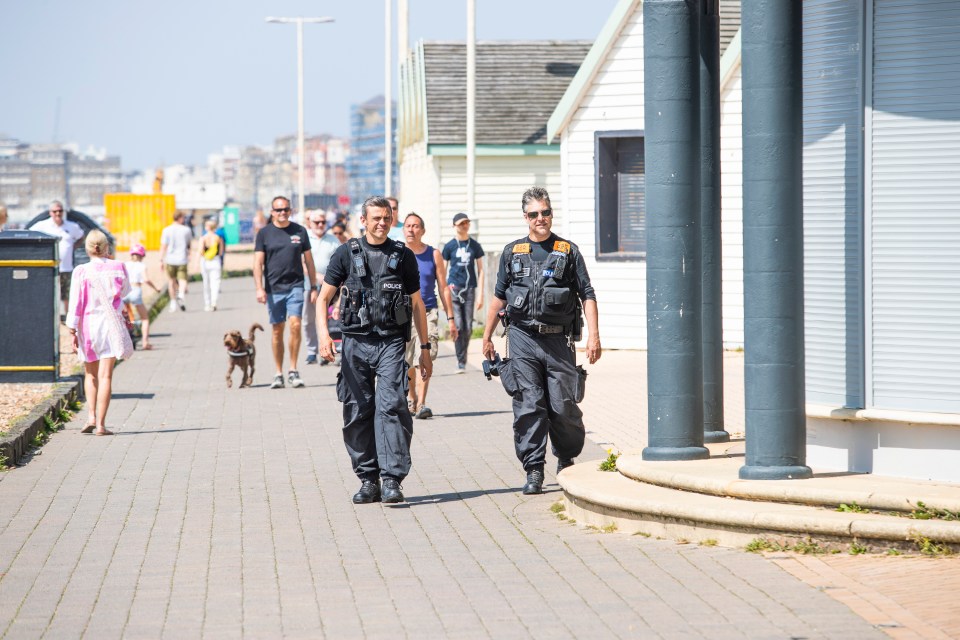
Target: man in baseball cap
(465, 279)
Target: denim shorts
(288, 304)
(135, 296)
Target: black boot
(534, 482)
(563, 463)
(392, 493)
(369, 492)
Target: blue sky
(171, 81)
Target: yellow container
(139, 218)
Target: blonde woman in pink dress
(100, 335)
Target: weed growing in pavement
(3, 462)
(610, 528)
(758, 545)
(610, 464)
(558, 507)
(39, 439)
(709, 542)
(642, 534)
(853, 507)
(929, 547)
(894, 552)
(682, 541)
(808, 546)
(75, 406)
(857, 549)
(923, 512)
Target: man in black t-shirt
(280, 251)
(379, 284)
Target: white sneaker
(172, 307)
(207, 308)
(294, 378)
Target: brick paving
(227, 513)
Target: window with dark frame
(621, 199)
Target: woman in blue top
(433, 275)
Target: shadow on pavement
(131, 396)
(454, 496)
(469, 414)
(136, 433)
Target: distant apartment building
(366, 164)
(253, 175)
(31, 175)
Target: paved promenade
(221, 512)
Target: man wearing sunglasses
(67, 233)
(541, 285)
(280, 251)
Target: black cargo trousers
(544, 375)
(377, 425)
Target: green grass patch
(610, 464)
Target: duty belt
(549, 328)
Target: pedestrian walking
(379, 297)
(541, 284)
(175, 240)
(137, 274)
(211, 264)
(322, 245)
(396, 231)
(433, 275)
(465, 280)
(97, 326)
(67, 233)
(280, 251)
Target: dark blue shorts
(281, 306)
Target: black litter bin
(29, 307)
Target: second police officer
(541, 284)
(379, 286)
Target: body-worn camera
(492, 367)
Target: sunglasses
(546, 213)
(56, 211)
(282, 210)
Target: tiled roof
(518, 86)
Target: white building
(881, 219)
(518, 85)
(599, 122)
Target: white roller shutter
(914, 251)
(832, 201)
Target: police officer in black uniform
(379, 285)
(542, 284)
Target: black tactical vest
(542, 294)
(372, 299)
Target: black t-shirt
(538, 253)
(341, 262)
(283, 252)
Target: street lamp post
(299, 21)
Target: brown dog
(242, 354)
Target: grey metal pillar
(671, 43)
(713, 430)
(773, 241)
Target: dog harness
(239, 354)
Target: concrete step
(598, 498)
(718, 476)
